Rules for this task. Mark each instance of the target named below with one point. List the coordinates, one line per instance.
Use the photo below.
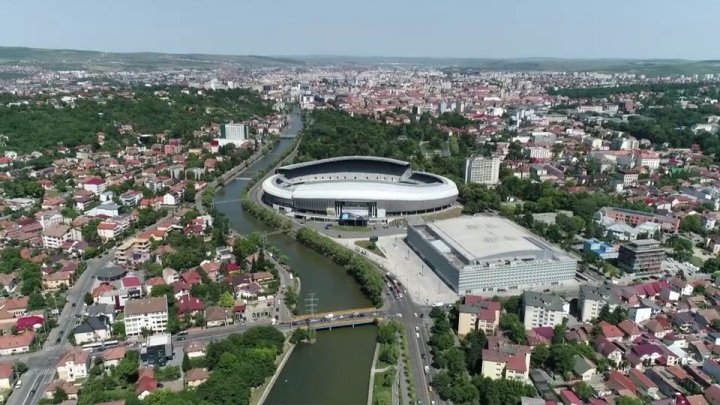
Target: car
(180, 338)
(73, 305)
(58, 340)
(182, 333)
(423, 356)
(18, 384)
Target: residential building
(642, 256)
(482, 170)
(55, 236)
(147, 313)
(511, 362)
(94, 185)
(12, 344)
(592, 299)
(584, 368)
(92, 329)
(217, 316)
(635, 218)
(158, 349)
(477, 313)
(543, 309)
(196, 376)
(74, 365)
(7, 375)
(233, 133)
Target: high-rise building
(543, 309)
(234, 133)
(482, 170)
(641, 256)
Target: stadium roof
(345, 158)
(362, 190)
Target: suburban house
(93, 329)
(55, 236)
(478, 313)
(74, 365)
(12, 344)
(196, 376)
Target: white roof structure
(361, 190)
(487, 238)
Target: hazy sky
(445, 28)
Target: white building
(54, 236)
(535, 152)
(234, 133)
(147, 313)
(592, 299)
(74, 365)
(543, 310)
(482, 170)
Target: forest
(40, 125)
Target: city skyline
(522, 29)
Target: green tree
(186, 363)
(513, 328)
(623, 400)
(226, 300)
(118, 329)
(20, 367)
(59, 395)
(88, 298)
(584, 391)
(692, 223)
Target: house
(74, 365)
(12, 344)
(55, 281)
(108, 230)
(16, 306)
(29, 322)
(568, 397)
(644, 384)
(504, 360)
(112, 357)
(170, 275)
(609, 350)
(189, 305)
(93, 329)
(680, 286)
(584, 368)
(55, 236)
(216, 316)
(147, 313)
(108, 210)
(195, 349)
(130, 198)
(71, 390)
(172, 198)
(478, 313)
(106, 310)
(196, 376)
(7, 375)
(611, 332)
(630, 329)
(146, 383)
(153, 282)
(619, 382)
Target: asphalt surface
(42, 363)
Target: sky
(430, 28)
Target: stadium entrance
(357, 209)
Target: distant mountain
(67, 59)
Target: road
(42, 364)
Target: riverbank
(267, 386)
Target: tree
(513, 328)
(512, 304)
(226, 300)
(711, 265)
(540, 355)
(584, 391)
(118, 329)
(692, 223)
(20, 367)
(189, 193)
(623, 400)
(36, 301)
(474, 343)
(59, 395)
(186, 363)
(88, 298)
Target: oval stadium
(357, 186)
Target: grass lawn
(382, 393)
(697, 261)
(448, 214)
(370, 246)
(346, 228)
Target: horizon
(361, 56)
(644, 29)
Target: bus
(100, 346)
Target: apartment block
(482, 170)
(477, 313)
(543, 309)
(593, 298)
(642, 256)
(147, 313)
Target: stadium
(356, 187)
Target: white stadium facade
(361, 186)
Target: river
(335, 369)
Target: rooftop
(146, 306)
(488, 238)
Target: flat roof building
(482, 170)
(642, 256)
(489, 253)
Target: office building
(482, 170)
(148, 313)
(603, 250)
(636, 218)
(642, 256)
(543, 309)
(157, 350)
(489, 253)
